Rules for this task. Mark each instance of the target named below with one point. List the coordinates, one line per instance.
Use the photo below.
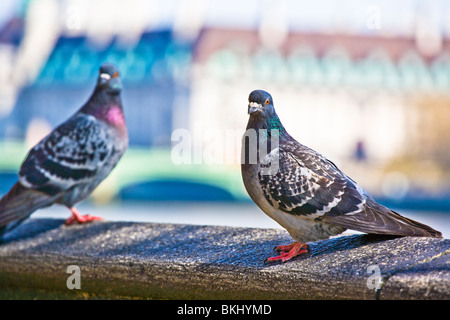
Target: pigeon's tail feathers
(377, 219)
(18, 204)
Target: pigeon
(306, 193)
(71, 161)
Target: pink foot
(77, 217)
(289, 251)
(285, 248)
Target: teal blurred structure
(157, 57)
(336, 65)
(154, 73)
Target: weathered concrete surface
(168, 261)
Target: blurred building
(347, 77)
(154, 74)
(336, 93)
(331, 91)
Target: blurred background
(366, 83)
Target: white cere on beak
(105, 76)
(255, 105)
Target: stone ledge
(169, 261)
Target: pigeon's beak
(103, 78)
(254, 107)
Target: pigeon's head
(108, 78)
(262, 114)
(260, 103)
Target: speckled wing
(306, 183)
(69, 155)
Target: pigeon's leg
(289, 251)
(77, 217)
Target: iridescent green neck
(271, 129)
(271, 125)
(275, 123)
(274, 127)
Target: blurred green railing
(140, 165)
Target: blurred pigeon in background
(72, 160)
(305, 192)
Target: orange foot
(77, 217)
(290, 251)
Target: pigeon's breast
(301, 228)
(115, 116)
(251, 183)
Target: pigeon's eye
(267, 101)
(115, 75)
